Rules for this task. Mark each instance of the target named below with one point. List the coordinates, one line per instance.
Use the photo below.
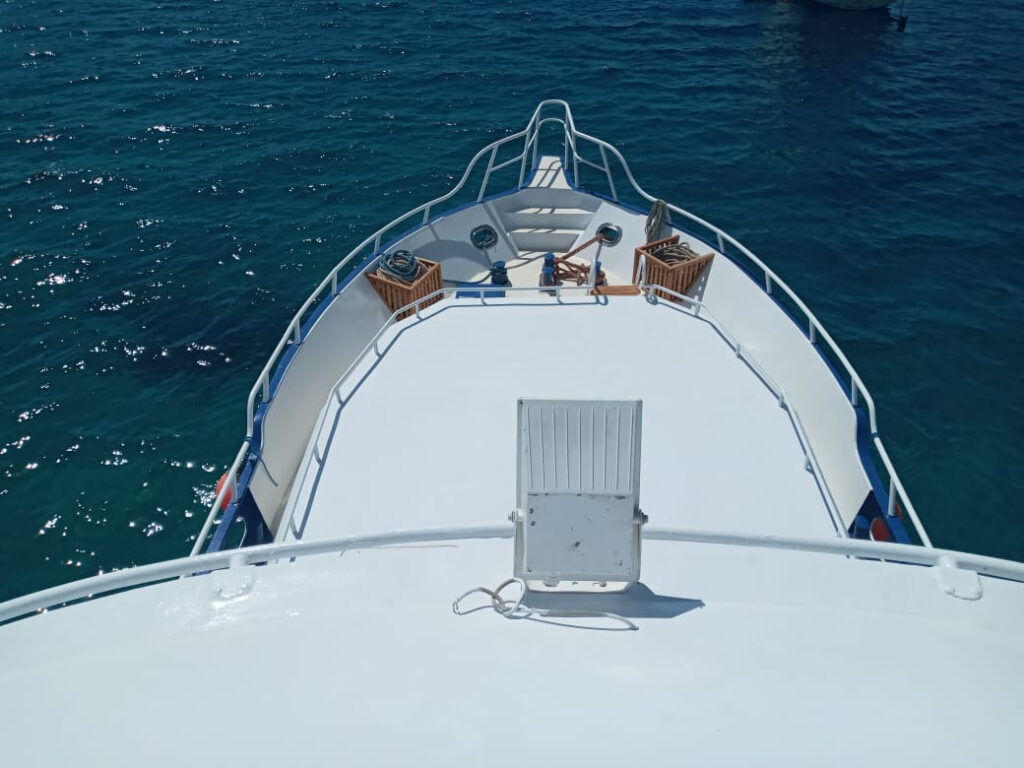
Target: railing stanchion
(575, 158)
(891, 509)
(608, 173)
(487, 173)
(522, 163)
(531, 141)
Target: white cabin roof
(743, 657)
(427, 432)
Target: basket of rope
(401, 279)
(670, 264)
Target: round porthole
(483, 236)
(610, 233)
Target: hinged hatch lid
(578, 479)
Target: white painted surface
(761, 327)
(786, 354)
(578, 497)
(742, 658)
(338, 336)
(427, 436)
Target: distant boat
(856, 5)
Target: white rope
(514, 609)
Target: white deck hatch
(578, 494)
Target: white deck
(743, 657)
(427, 435)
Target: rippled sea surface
(176, 177)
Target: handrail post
(565, 147)
(608, 173)
(487, 173)
(575, 157)
(817, 333)
(522, 163)
(891, 510)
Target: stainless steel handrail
(896, 554)
(771, 280)
(531, 138)
(293, 332)
(699, 310)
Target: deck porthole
(484, 236)
(610, 233)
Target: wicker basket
(397, 294)
(678, 277)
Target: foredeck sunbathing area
(426, 434)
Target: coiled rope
(674, 253)
(401, 265)
(515, 609)
(656, 220)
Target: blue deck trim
(256, 529)
(359, 267)
(878, 497)
(247, 505)
(863, 436)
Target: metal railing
(83, 589)
(816, 333)
(261, 390)
(700, 311)
(328, 287)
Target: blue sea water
(175, 177)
